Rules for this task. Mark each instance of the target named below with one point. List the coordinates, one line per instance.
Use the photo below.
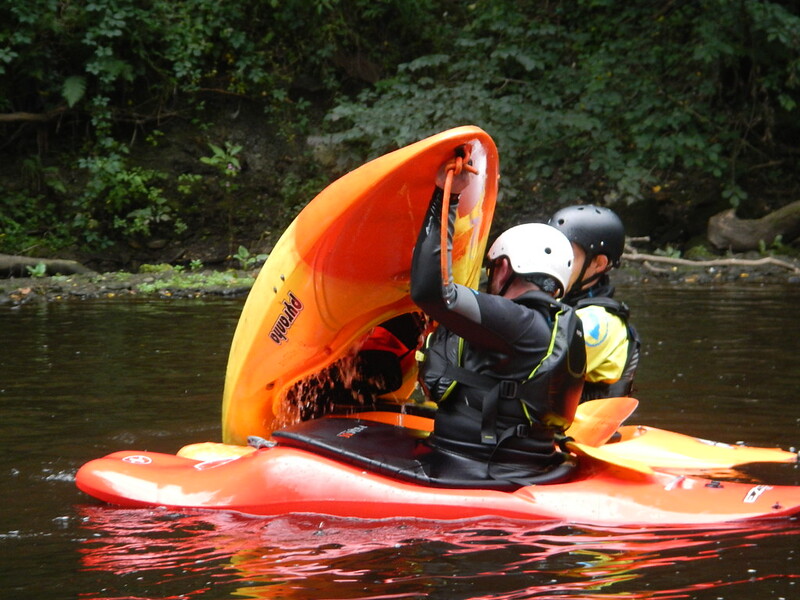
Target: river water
(81, 379)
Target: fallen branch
(31, 117)
(715, 262)
(17, 266)
(727, 231)
(646, 264)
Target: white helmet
(536, 249)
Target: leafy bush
(99, 74)
(29, 223)
(129, 198)
(597, 99)
(587, 100)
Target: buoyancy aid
(513, 420)
(624, 384)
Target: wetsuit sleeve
(485, 320)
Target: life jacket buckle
(508, 389)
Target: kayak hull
(341, 268)
(282, 480)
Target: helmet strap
(507, 284)
(492, 274)
(593, 279)
(580, 282)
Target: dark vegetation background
(136, 131)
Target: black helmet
(596, 229)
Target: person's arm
(428, 290)
(485, 320)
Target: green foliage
(131, 199)
(296, 190)
(699, 252)
(225, 160)
(191, 281)
(159, 268)
(669, 251)
(226, 163)
(73, 89)
(108, 69)
(598, 101)
(40, 270)
(246, 259)
(776, 247)
(29, 221)
(40, 178)
(29, 218)
(733, 194)
(143, 55)
(587, 100)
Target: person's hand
(461, 167)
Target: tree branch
(716, 262)
(17, 117)
(11, 265)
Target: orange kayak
(341, 268)
(363, 482)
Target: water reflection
(322, 557)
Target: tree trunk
(727, 232)
(17, 266)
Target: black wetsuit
(502, 341)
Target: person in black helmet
(612, 344)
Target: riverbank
(165, 281)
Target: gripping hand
(457, 169)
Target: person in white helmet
(505, 367)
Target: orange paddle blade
(597, 420)
(627, 465)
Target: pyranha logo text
(291, 309)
